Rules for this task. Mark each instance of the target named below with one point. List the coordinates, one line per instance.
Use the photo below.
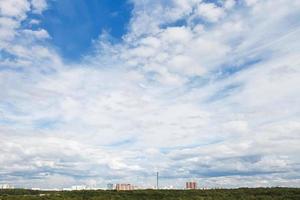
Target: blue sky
(93, 92)
(74, 25)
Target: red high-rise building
(190, 185)
(124, 187)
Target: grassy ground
(228, 194)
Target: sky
(96, 92)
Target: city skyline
(99, 91)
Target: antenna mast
(157, 180)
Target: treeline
(213, 194)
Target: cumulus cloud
(14, 8)
(39, 6)
(20, 45)
(38, 34)
(210, 11)
(214, 98)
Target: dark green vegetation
(228, 194)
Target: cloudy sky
(101, 91)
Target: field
(228, 194)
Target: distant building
(6, 186)
(190, 185)
(78, 187)
(124, 187)
(67, 189)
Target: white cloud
(229, 4)
(210, 12)
(251, 2)
(14, 8)
(39, 6)
(15, 40)
(7, 28)
(34, 22)
(38, 34)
